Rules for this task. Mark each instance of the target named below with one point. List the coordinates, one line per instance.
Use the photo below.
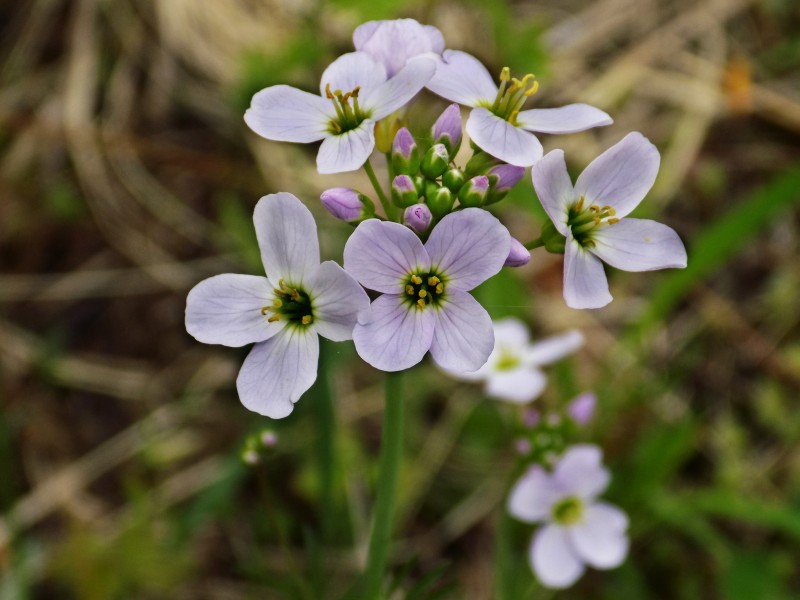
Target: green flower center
(423, 289)
(511, 95)
(507, 361)
(568, 511)
(583, 221)
(291, 304)
(349, 114)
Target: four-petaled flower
(512, 372)
(282, 313)
(497, 123)
(394, 43)
(355, 93)
(591, 217)
(425, 303)
(578, 530)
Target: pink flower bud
(447, 129)
(346, 204)
(504, 177)
(418, 217)
(518, 256)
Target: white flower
(282, 313)
(591, 217)
(497, 123)
(394, 43)
(578, 530)
(512, 372)
(355, 93)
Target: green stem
(537, 243)
(326, 442)
(387, 206)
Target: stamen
(579, 205)
(416, 279)
(265, 310)
(612, 221)
(533, 90)
(433, 280)
(278, 303)
(421, 303)
(505, 74)
(306, 319)
(274, 318)
(295, 295)
(328, 93)
(594, 208)
(439, 288)
(410, 290)
(422, 293)
(610, 210)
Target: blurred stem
(326, 439)
(537, 243)
(387, 206)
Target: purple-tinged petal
(447, 128)
(553, 348)
(639, 245)
(343, 203)
(393, 335)
(226, 309)
(521, 385)
(582, 408)
(286, 114)
(398, 91)
(336, 300)
(507, 176)
(352, 70)
(462, 78)
(435, 38)
(418, 217)
(585, 283)
(381, 255)
(464, 337)
(287, 236)
(621, 176)
(554, 188)
(503, 140)
(598, 539)
(518, 255)
(346, 151)
(393, 43)
(468, 247)
(580, 472)
(553, 559)
(277, 372)
(567, 119)
(532, 497)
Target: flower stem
(326, 441)
(537, 243)
(387, 206)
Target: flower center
(348, 116)
(507, 361)
(583, 221)
(512, 95)
(423, 289)
(291, 304)
(568, 511)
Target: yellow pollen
(579, 205)
(274, 318)
(513, 117)
(355, 91)
(416, 279)
(278, 303)
(295, 295)
(439, 288)
(421, 303)
(422, 293)
(611, 212)
(596, 220)
(505, 74)
(533, 90)
(306, 319)
(410, 290)
(328, 93)
(612, 221)
(595, 208)
(433, 280)
(264, 311)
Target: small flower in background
(578, 529)
(512, 371)
(591, 216)
(355, 93)
(582, 408)
(394, 43)
(269, 439)
(347, 204)
(425, 303)
(497, 123)
(282, 313)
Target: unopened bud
(479, 164)
(453, 179)
(518, 256)
(503, 178)
(474, 192)
(404, 192)
(405, 154)
(581, 409)
(418, 217)
(435, 161)
(347, 204)
(421, 184)
(440, 202)
(447, 129)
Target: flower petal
(639, 245)
(521, 385)
(566, 119)
(286, 114)
(554, 348)
(532, 497)
(467, 247)
(463, 338)
(277, 372)
(287, 237)
(393, 43)
(462, 78)
(620, 176)
(510, 332)
(400, 89)
(585, 283)
(347, 151)
(226, 309)
(580, 471)
(352, 70)
(553, 559)
(392, 335)
(337, 300)
(381, 255)
(554, 188)
(503, 140)
(599, 539)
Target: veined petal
(337, 299)
(520, 385)
(622, 175)
(352, 70)
(435, 38)
(462, 78)
(566, 119)
(277, 372)
(393, 43)
(226, 309)
(400, 89)
(463, 338)
(287, 237)
(585, 283)
(580, 471)
(503, 140)
(393, 336)
(554, 348)
(532, 497)
(286, 114)
(554, 188)
(553, 559)
(347, 151)
(467, 247)
(639, 245)
(598, 539)
(381, 255)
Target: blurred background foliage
(127, 175)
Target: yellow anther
(579, 205)
(596, 220)
(264, 311)
(610, 210)
(355, 91)
(595, 208)
(439, 288)
(422, 293)
(433, 280)
(533, 90)
(274, 318)
(590, 243)
(526, 80)
(505, 74)
(306, 319)
(295, 295)
(278, 303)
(512, 118)
(328, 93)
(612, 221)
(410, 290)
(421, 303)
(336, 126)
(416, 279)
(345, 98)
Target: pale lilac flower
(513, 370)
(355, 94)
(418, 217)
(394, 43)
(425, 303)
(497, 123)
(578, 529)
(518, 256)
(582, 408)
(281, 313)
(591, 217)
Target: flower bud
(418, 217)
(440, 202)
(554, 242)
(268, 438)
(435, 161)
(581, 409)
(447, 129)
(503, 178)
(474, 192)
(531, 418)
(453, 179)
(405, 154)
(523, 446)
(518, 256)
(404, 193)
(421, 184)
(479, 164)
(347, 204)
